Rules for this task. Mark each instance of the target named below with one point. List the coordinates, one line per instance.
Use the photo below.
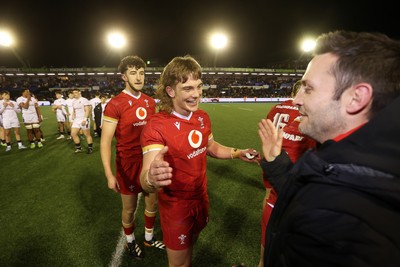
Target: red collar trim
(342, 136)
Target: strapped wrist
(235, 153)
(146, 180)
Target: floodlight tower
(218, 41)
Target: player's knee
(130, 211)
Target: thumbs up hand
(160, 173)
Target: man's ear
(360, 98)
(170, 91)
(123, 76)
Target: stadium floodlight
(116, 40)
(218, 41)
(6, 39)
(308, 45)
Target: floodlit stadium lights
(270, 74)
(90, 73)
(211, 73)
(9, 74)
(41, 74)
(254, 73)
(148, 73)
(30, 74)
(81, 73)
(245, 73)
(100, 73)
(237, 73)
(51, 74)
(20, 74)
(110, 73)
(116, 40)
(157, 72)
(6, 39)
(229, 73)
(61, 74)
(261, 74)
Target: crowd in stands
(215, 86)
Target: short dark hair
(131, 61)
(373, 58)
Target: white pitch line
(119, 251)
(116, 258)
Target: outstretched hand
(250, 155)
(160, 173)
(271, 139)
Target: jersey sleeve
(151, 138)
(111, 112)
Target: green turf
(56, 209)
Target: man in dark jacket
(340, 205)
(98, 113)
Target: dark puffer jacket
(340, 205)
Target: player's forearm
(87, 112)
(25, 105)
(216, 150)
(38, 112)
(106, 161)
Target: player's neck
(132, 92)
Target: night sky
(73, 33)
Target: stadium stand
(218, 82)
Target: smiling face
(322, 116)
(186, 96)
